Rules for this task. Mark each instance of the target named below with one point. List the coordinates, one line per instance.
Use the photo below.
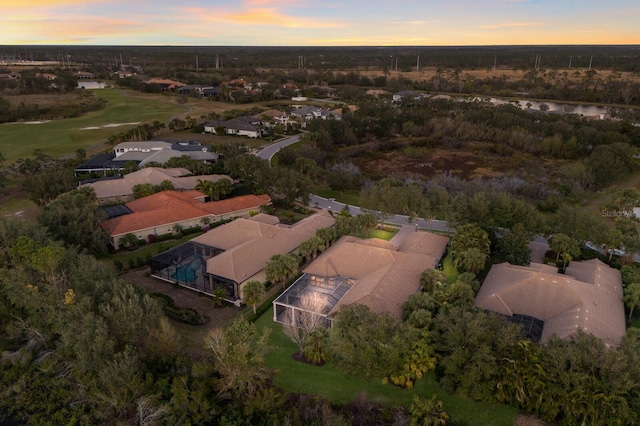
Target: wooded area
(81, 346)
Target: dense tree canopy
(74, 217)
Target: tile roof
(170, 207)
(386, 276)
(248, 244)
(588, 298)
(142, 145)
(153, 175)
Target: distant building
(120, 189)
(240, 126)
(145, 152)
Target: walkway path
(402, 234)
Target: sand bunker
(37, 122)
(110, 126)
(121, 124)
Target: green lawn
(326, 381)
(60, 137)
(449, 271)
(348, 197)
(386, 233)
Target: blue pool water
(184, 274)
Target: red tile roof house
(230, 255)
(157, 214)
(370, 272)
(587, 297)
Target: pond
(583, 110)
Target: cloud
(266, 16)
(413, 22)
(38, 4)
(511, 25)
(85, 29)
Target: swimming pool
(184, 273)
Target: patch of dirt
(428, 72)
(26, 210)
(184, 298)
(463, 164)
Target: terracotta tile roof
(248, 244)
(386, 277)
(588, 297)
(170, 207)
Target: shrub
(184, 315)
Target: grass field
(299, 377)
(348, 197)
(125, 109)
(60, 137)
(449, 271)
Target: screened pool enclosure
(185, 265)
(311, 293)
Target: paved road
(331, 204)
(401, 220)
(268, 152)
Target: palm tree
(281, 267)
(367, 221)
(428, 412)
(220, 189)
(129, 240)
(432, 280)
(205, 186)
(470, 248)
(311, 247)
(327, 235)
(253, 293)
(470, 260)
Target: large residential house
(120, 189)
(370, 272)
(240, 126)
(158, 214)
(588, 298)
(84, 75)
(196, 89)
(407, 96)
(310, 112)
(146, 152)
(164, 84)
(271, 117)
(228, 256)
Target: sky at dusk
(319, 22)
